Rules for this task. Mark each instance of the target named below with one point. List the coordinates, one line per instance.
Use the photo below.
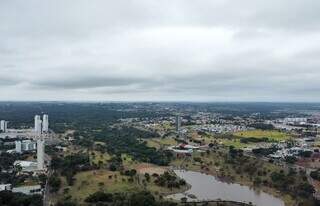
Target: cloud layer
(205, 50)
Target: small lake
(207, 187)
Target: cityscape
(160, 103)
(173, 153)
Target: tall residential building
(37, 125)
(3, 125)
(178, 123)
(18, 147)
(25, 145)
(45, 123)
(40, 154)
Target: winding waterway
(207, 187)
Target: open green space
(97, 180)
(161, 142)
(89, 182)
(272, 135)
(97, 157)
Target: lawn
(99, 180)
(96, 157)
(273, 135)
(89, 182)
(161, 142)
(128, 161)
(234, 142)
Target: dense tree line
(292, 182)
(169, 180)
(142, 198)
(126, 140)
(254, 139)
(315, 174)
(54, 183)
(80, 116)
(262, 126)
(8, 198)
(7, 160)
(70, 165)
(264, 151)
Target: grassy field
(89, 182)
(99, 180)
(234, 140)
(160, 142)
(96, 157)
(273, 135)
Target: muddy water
(207, 187)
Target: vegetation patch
(272, 135)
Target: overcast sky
(160, 50)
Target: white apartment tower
(3, 125)
(40, 154)
(25, 145)
(37, 125)
(18, 147)
(178, 123)
(45, 123)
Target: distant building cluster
(27, 140)
(29, 145)
(222, 128)
(295, 121)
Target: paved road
(46, 193)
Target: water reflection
(207, 187)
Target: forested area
(8, 198)
(63, 115)
(126, 140)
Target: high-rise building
(3, 125)
(178, 123)
(18, 147)
(45, 123)
(37, 125)
(25, 145)
(40, 154)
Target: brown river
(207, 187)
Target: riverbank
(208, 188)
(213, 164)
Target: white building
(28, 190)
(297, 120)
(3, 125)
(37, 125)
(18, 147)
(45, 123)
(25, 145)
(178, 123)
(40, 154)
(27, 166)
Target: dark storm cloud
(160, 50)
(86, 82)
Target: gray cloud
(86, 82)
(160, 50)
